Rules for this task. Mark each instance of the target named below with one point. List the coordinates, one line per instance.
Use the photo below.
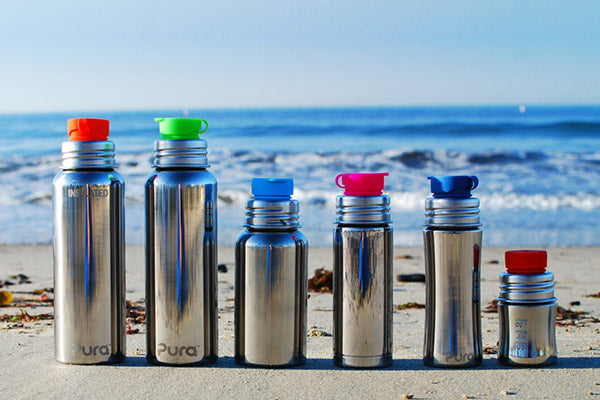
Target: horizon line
(298, 107)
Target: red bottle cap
(526, 262)
(88, 129)
(361, 184)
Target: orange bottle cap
(88, 129)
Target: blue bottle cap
(453, 186)
(272, 189)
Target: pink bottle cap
(361, 184)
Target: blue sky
(112, 55)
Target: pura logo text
(190, 351)
(98, 350)
(83, 192)
(466, 357)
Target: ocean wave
(414, 201)
(411, 128)
(392, 158)
(505, 157)
(562, 179)
(570, 127)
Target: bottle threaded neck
(526, 289)
(363, 210)
(452, 212)
(272, 214)
(88, 155)
(180, 153)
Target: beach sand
(28, 369)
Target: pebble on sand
(6, 297)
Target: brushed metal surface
(89, 267)
(527, 335)
(362, 296)
(181, 255)
(452, 306)
(527, 313)
(271, 298)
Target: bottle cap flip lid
(361, 184)
(88, 129)
(526, 262)
(453, 186)
(272, 189)
(181, 128)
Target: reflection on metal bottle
(452, 238)
(271, 279)
(181, 248)
(362, 275)
(89, 250)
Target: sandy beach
(29, 370)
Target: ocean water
(539, 170)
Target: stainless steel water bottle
(527, 311)
(362, 273)
(89, 250)
(452, 257)
(181, 248)
(271, 279)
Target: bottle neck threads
(363, 210)
(452, 212)
(88, 155)
(272, 215)
(526, 289)
(180, 153)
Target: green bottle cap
(181, 128)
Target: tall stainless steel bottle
(181, 248)
(452, 257)
(362, 273)
(271, 279)
(89, 251)
(527, 311)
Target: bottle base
(295, 362)
(205, 361)
(527, 362)
(117, 358)
(357, 362)
(436, 363)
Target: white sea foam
(513, 185)
(544, 181)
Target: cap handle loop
(206, 126)
(474, 182)
(337, 181)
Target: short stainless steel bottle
(181, 248)
(271, 279)
(527, 311)
(452, 238)
(89, 251)
(362, 274)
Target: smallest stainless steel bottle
(89, 249)
(362, 273)
(271, 279)
(452, 238)
(527, 311)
